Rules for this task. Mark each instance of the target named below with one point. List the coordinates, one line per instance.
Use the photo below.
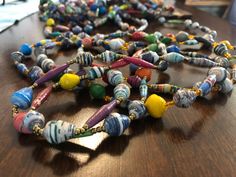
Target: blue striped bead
(115, 77)
(35, 73)
(150, 57)
(96, 72)
(22, 98)
(22, 68)
(137, 108)
(173, 57)
(115, 124)
(84, 58)
(25, 49)
(207, 84)
(220, 72)
(17, 56)
(122, 91)
(109, 56)
(191, 42)
(172, 48)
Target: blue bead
(93, 7)
(115, 77)
(122, 91)
(173, 48)
(79, 43)
(137, 108)
(133, 68)
(115, 124)
(88, 29)
(22, 68)
(35, 73)
(76, 29)
(102, 10)
(22, 98)
(25, 49)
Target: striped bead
(115, 124)
(220, 72)
(134, 81)
(226, 86)
(224, 62)
(203, 62)
(116, 44)
(115, 77)
(58, 131)
(17, 56)
(173, 57)
(35, 73)
(207, 84)
(164, 88)
(137, 109)
(22, 68)
(143, 89)
(190, 42)
(221, 49)
(184, 98)
(47, 64)
(122, 92)
(109, 56)
(40, 59)
(25, 122)
(22, 98)
(150, 57)
(84, 58)
(96, 72)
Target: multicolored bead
(122, 92)
(173, 57)
(137, 108)
(22, 98)
(150, 57)
(109, 56)
(207, 84)
(17, 56)
(184, 98)
(134, 81)
(84, 58)
(116, 44)
(96, 72)
(115, 77)
(220, 72)
(34, 73)
(69, 81)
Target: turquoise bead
(122, 92)
(22, 98)
(115, 77)
(173, 57)
(26, 49)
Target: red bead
(138, 35)
(144, 72)
(18, 122)
(87, 42)
(41, 97)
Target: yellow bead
(69, 81)
(155, 105)
(50, 22)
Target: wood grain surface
(195, 142)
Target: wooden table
(194, 142)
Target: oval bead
(226, 86)
(58, 131)
(109, 56)
(115, 77)
(97, 91)
(122, 91)
(182, 36)
(173, 57)
(220, 72)
(134, 81)
(115, 124)
(116, 44)
(35, 73)
(173, 48)
(150, 56)
(184, 98)
(84, 58)
(156, 106)
(137, 108)
(144, 72)
(69, 81)
(22, 98)
(96, 72)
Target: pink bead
(139, 62)
(87, 42)
(41, 97)
(138, 53)
(118, 64)
(18, 121)
(62, 28)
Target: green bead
(166, 40)
(153, 47)
(85, 134)
(151, 38)
(55, 34)
(97, 91)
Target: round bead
(173, 48)
(22, 98)
(144, 72)
(137, 108)
(150, 57)
(115, 124)
(182, 36)
(122, 92)
(50, 22)
(25, 49)
(156, 106)
(17, 56)
(97, 91)
(40, 59)
(163, 65)
(173, 57)
(188, 23)
(115, 77)
(116, 44)
(227, 86)
(56, 132)
(69, 81)
(35, 73)
(195, 25)
(184, 98)
(220, 73)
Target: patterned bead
(164, 88)
(122, 92)
(150, 57)
(115, 124)
(58, 131)
(184, 98)
(138, 35)
(161, 49)
(115, 77)
(226, 86)
(156, 106)
(22, 68)
(22, 98)
(96, 72)
(17, 56)
(25, 49)
(190, 42)
(188, 23)
(25, 122)
(40, 59)
(173, 57)
(35, 73)
(224, 62)
(143, 89)
(109, 56)
(84, 58)
(116, 44)
(220, 73)
(39, 50)
(221, 49)
(134, 81)
(47, 64)
(173, 48)
(163, 65)
(207, 84)
(182, 36)
(69, 81)
(137, 108)
(41, 97)
(203, 62)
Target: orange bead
(144, 72)
(87, 42)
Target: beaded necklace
(69, 24)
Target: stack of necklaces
(70, 24)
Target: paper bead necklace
(143, 52)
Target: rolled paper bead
(87, 42)
(158, 35)
(58, 131)
(34, 73)
(150, 56)
(137, 108)
(184, 98)
(161, 49)
(39, 50)
(206, 43)
(224, 62)
(133, 68)
(141, 63)
(226, 86)
(47, 31)
(88, 29)
(122, 92)
(22, 68)
(164, 88)
(173, 57)
(84, 58)
(47, 64)
(143, 89)
(156, 106)
(50, 22)
(190, 42)
(25, 49)
(220, 72)
(138, 35)
(22, 98)
(182, 36)
(101, 114)
(62, 28)
(41, 97)
(109, 56)
(118, 64)
(97, 91)
(116, 44)
(115, 77)
(96, 72)
(144, 73)
(25, 122)
(134, 81)
(69, 81)
(195, 25)
(220, 49)
(115, 124)
(173, 48)
(17, 56)
(207, 84)
(194, 54)
(188, 23)
(203, 62)
(163, 65)
(77, 29)
(40, 58)
(51, 74)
